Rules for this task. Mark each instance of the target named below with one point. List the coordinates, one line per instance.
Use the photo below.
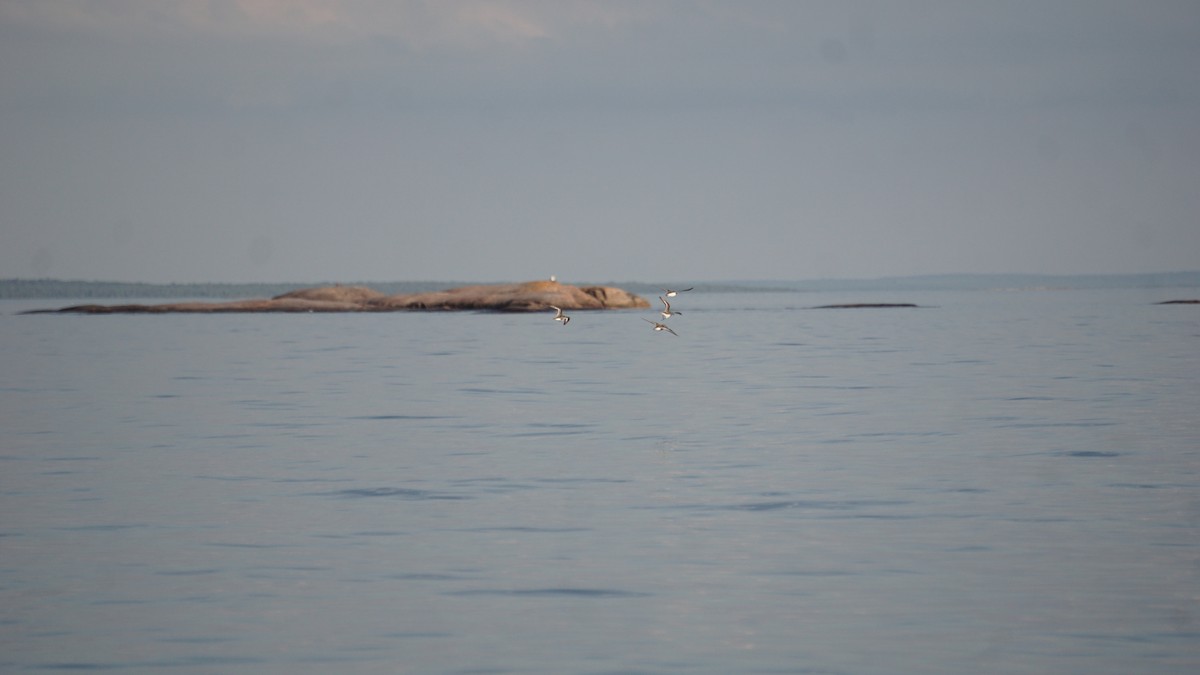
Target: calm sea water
(993, 483)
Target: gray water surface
(992, 483)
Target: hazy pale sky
(305, 140)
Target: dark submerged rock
(867, 305)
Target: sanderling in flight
(560, 316)
(661, 326)
(666, 310)
(670, 293)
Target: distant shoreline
(18, 288)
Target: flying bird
(670, 293)
(661, 326)
(666, 310)
(560, 316)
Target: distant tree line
(74, 289)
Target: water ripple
(402, 493)
(799, 504)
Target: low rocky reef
(530, 296)
(867, 305)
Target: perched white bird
(560, 316)
(661, 326)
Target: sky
(640, 140)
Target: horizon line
(890, 277)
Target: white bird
(670, 293)
(661, 326)
(666, 310)
(560, 316)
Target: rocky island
(529, 296)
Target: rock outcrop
(530, 296)
(338, 293)
(867, 305)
